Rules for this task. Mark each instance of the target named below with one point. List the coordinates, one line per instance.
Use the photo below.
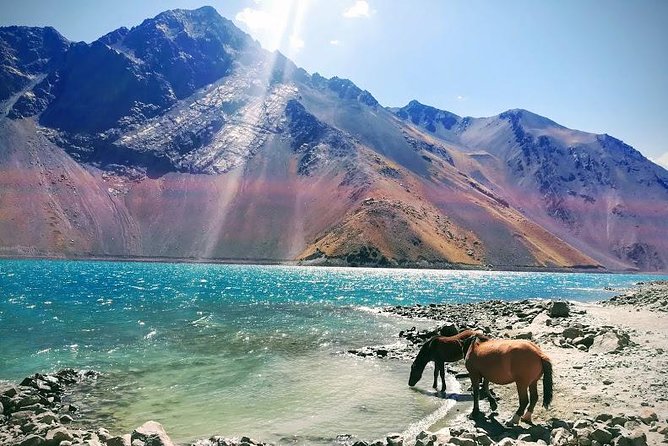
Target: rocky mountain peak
(427, 116)
(26, 52)
(344, 88)
(528, 120)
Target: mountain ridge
(182, 138)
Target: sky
(593, 65)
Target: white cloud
(662, 160)
(255, 19)
(360, 8)
(335, 42)
(461, 98)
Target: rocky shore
(651, 295)
(610, 361)
(37, 413)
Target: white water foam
(412, 430)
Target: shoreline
(334, 264)
(609, 356)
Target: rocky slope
(183, 138)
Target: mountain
(183, 138)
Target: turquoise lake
(236, 349)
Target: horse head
(420, 363)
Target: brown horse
(504, 361)
(440, 349)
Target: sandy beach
(610, 384)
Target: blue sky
(599, 66)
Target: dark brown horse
(440, 349)
(505, 361)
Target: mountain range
(182, 138)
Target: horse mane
(467, 342)
(423, 355)
(482, 337)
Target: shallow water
(230, 349)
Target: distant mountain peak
(528, 119)
(427, 116)
(345, 88)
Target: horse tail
(547, 382)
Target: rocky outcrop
(651, 295)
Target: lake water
(230, 349)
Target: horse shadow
(498, 430)
(491, 425)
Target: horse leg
(475, 386)
(436, 370)
(533, 399)
(485, 391)
(442, 370)
(524, 401)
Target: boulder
(28, 400)
(556, 422)
(601, 435)
(539, 432)
(604, 417)
(523, 334)
(152, 433)
(48, 418)
(32, 440)
(462, 441)
(635, 438)
(607, 342)
(21, 417)
(55, 436)
(559, 309)
(66, 419)
(561, 437)
(394, 440)
(119, 441)
(648, 415)
(620, 420)
(572, 333)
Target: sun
(276, 24)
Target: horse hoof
(513, 421)
(527, 418)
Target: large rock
(561, 437)
(32, 440)
(648, 415)
(601, 435)
(559, 309)
(539, 432)
(152, 433)
(635, 438)
(55, 436)
(461, 441)
(608, 342)
(394, 440)
(119, 441)
(572, 333)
